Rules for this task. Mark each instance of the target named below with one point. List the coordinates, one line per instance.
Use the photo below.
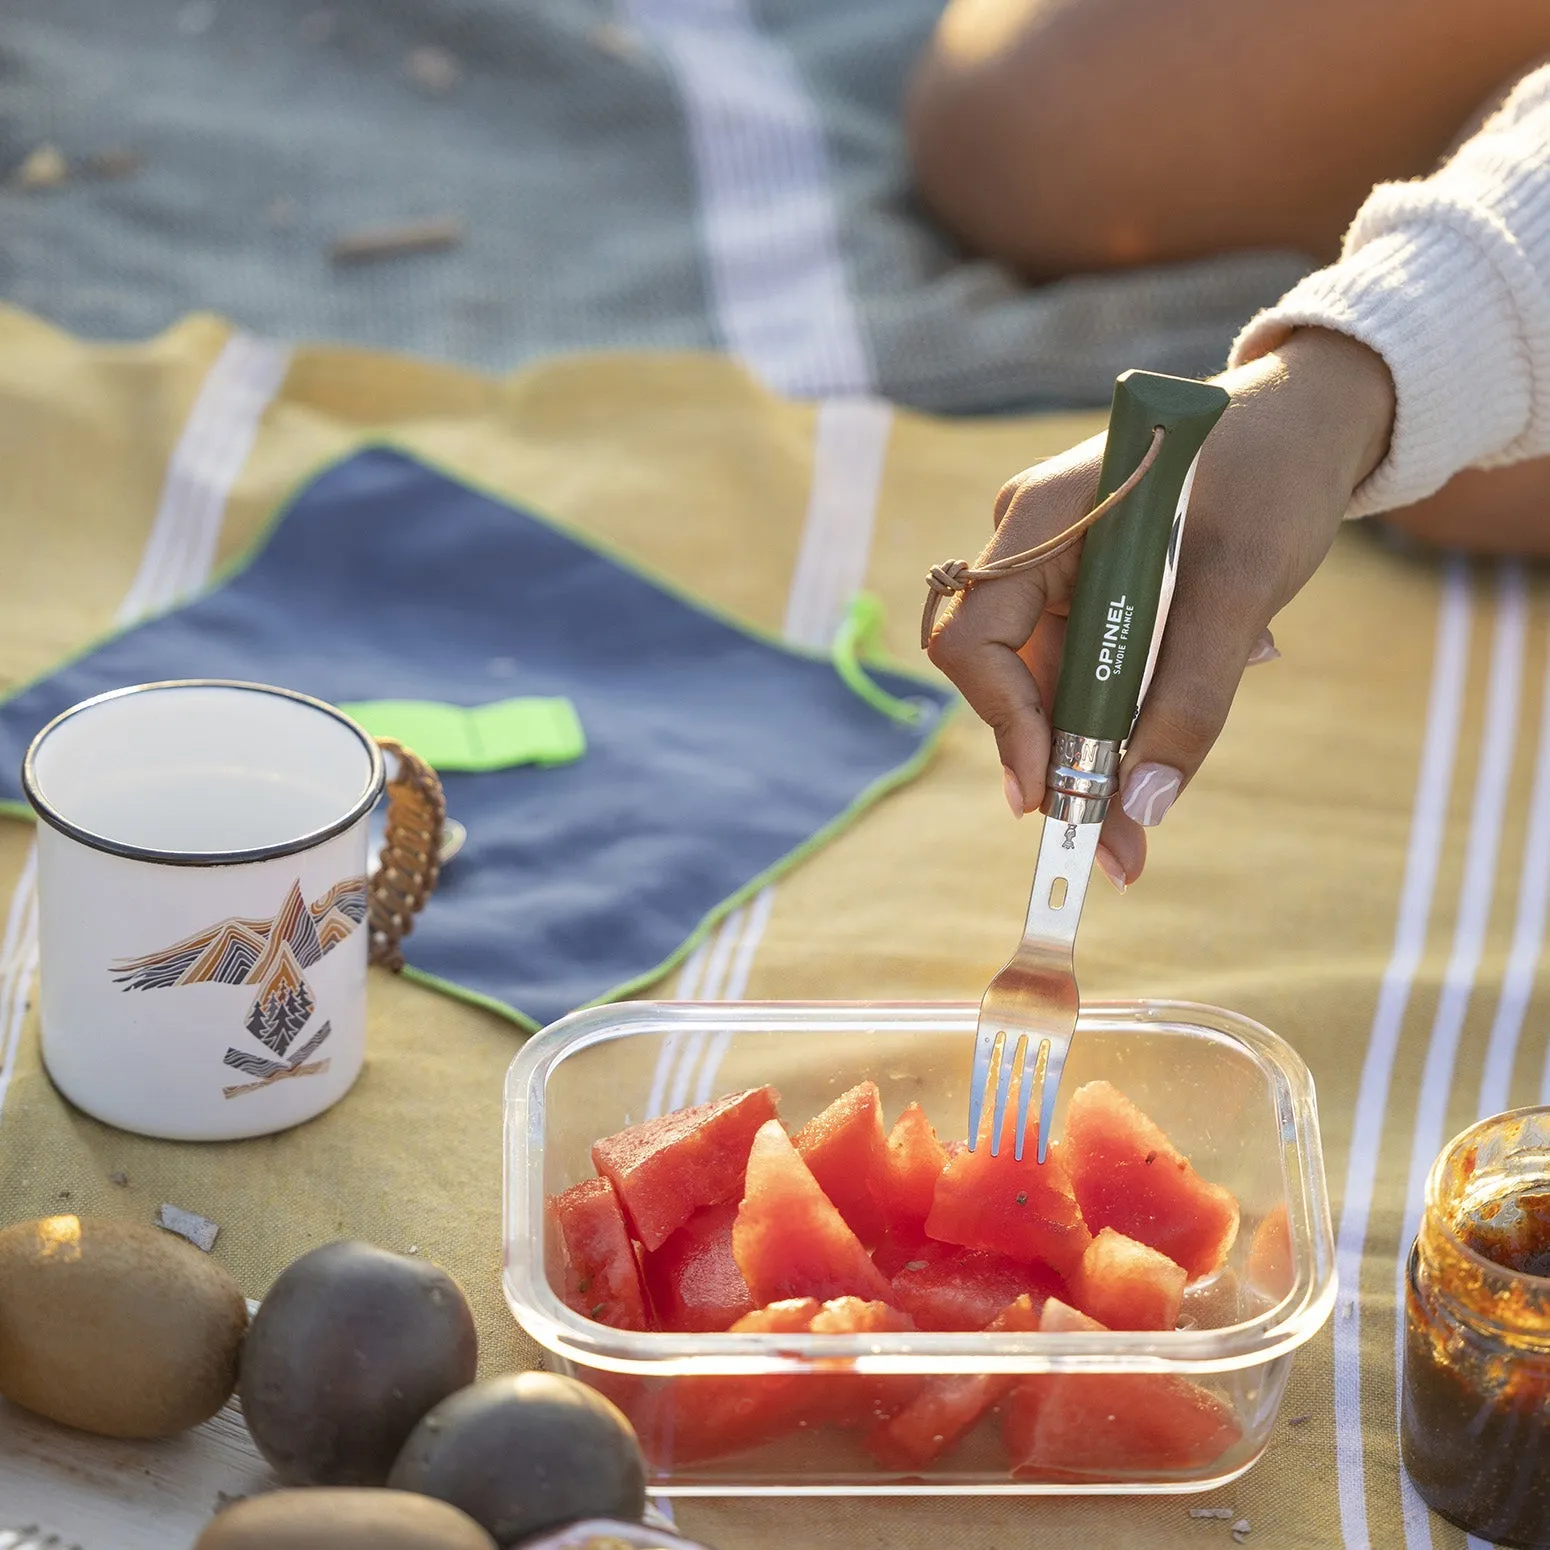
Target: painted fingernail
(1109, 865)
(1014, 792)
(1264, 649)
(1149, 793)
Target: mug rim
(363, 804)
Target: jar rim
(1431, 1204)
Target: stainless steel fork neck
(1081, 779)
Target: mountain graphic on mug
(272, 955)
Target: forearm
(1448, 280)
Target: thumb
(1209, 642)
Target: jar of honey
(1475, 1422)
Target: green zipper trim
(857, 638)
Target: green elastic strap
(854, 640)
(477, 738)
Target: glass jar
(1475, 1424)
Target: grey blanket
(724, 174)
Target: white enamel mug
(203, 904)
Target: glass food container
(1235, 1099)
(1475, 1421)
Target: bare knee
(1070, 135)
(1485, 511)
(1065, 136)
(1000, 146)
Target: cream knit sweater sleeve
(1448, 279)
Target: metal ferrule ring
(1081, 779)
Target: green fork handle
(1125, 553)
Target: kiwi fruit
(326, 1518)
(115, 1328)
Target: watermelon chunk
(1020, 1408)
(947, 1408)
(903, 1189)
(1126, 1285)
(1110, 1426)
(1270, 1268)
(601, 1277)
(792, 1317)
(1060, 1318)
(693, 1281)
(858, 1399)
(1024, 1210)
(845, 1147)
(690, 1420)
(912, 1160)
(853, 1316)
(1127, 1175)
(965, 1289)
(788, 1239)
(667, 1169)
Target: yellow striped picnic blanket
(1362, 865)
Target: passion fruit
(524, 1453)
(349, 1349)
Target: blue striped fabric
(698, 174)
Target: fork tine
(1033, 1069)
(1010, 1055)
(985, 1047)
(1050, 1091)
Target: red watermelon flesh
(903, 1251)
(690, 1420)
(947, 1408)
(1020, 1422)
(667, 1169)
(965, 1289)
(858, 1399)
(693, 1281)
(912, 1160)
(1270, 1268)
(788, 1239)
(1025, 1210)
(794, 1316)
(1111, 1426)
(1126, 1285)
(1127, 1175)
(854, 1316)
(1060, 1318)
(597, 1260)
(845, 1147)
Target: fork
(1157, 425)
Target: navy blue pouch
(715, 758)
